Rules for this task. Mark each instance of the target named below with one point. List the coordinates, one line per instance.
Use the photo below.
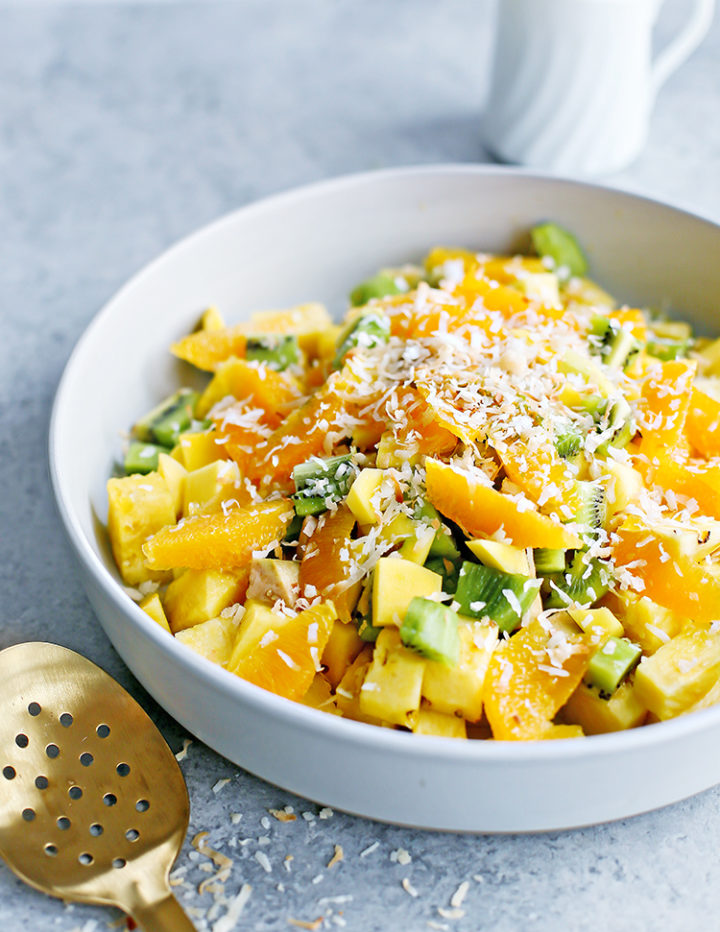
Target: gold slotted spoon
(93, 806)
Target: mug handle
(684, 44)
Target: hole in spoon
(28, 815)
(103, 731)
(86, 759)
(118, 863)
(85, 858)
(63, 823)
(109, 799)
(50, 850)
(66, 719)
(123, 770)
(9, 773)
(75, 792)
(22, 741)
(52, 751)
(35, 709)
(142, 805)
(41, 782)
(132, 834)
(96, 829)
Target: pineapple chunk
(198, 595)
(174, 474)
(395, 583)
(347, 693)
(679, 673)
(196, 450)
(319, 696)
(555, 732)
(212, 639)
(648, 624)
(257, 620)
(271, 580)
(416, 536)
(359, 499)
(428, 722)
(503, 557)
(597, 716)
(458, 690)
(206, 488)
(391, 689)
(342, 648)
(392, 453)
(542, 287)
(152, 606)
(623, 486)
(139, 506)
(711, 698)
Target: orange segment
(667, 576)
(327, 563)
(216, 541)
(520, 698)
(264, 387)
(691, 481)
(208, 348)
(540, 473)
(284, 659)
(482, 511)
(703, 424)
(666, 398)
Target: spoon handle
(165, 915)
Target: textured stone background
(123, 126)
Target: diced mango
(503, 557)
(459, 689)
(212, 319)
(206, 488)
(212, 639)
(429, 722)
(173, 472)
(198, 595)
(648, 624)
(152, 606)
(396, 582)
(600, 623)
(392, 687)
(359, 499)
(342, 648)
(347, 692)
(597, 715)
(555, 732)
(623, 486)
(195, 450)
(319, 696)
(138, 507)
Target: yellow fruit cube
(212, 639)
(648, 624)
(198, 595)
(342, 648)
(138, 507)
(428, 722)
(195, 450)
(503, 557)
(418, 543)
(679, 673)
(360, 496)
(256, 621)
(554, 732)
(173, 472)
(319, 696)
(623, 485)
(212, 319)
(542, 287)
(392, 686)
(458, 690)
(152, 606)
(600, 623)
(271, 580)
(396, 582)
(597, 715)
(347, 692)
(207, 487)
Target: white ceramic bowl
(315, 243)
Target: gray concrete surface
(123, 126)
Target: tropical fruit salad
(486, 505)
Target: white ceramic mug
(573, 81)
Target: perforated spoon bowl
(93, 806)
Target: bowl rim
(301, 716)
